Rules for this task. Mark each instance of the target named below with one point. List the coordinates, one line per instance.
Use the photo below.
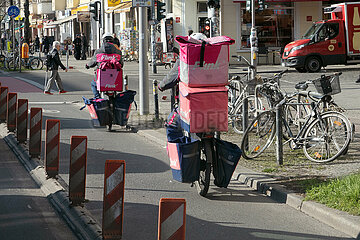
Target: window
(275, 25)
(201, 7)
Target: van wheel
(301, 70)
(313, 64)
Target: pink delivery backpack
(109, 76)
(204, 63)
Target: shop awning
(60, 21)
(122, 7)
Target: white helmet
(107, 37)
(198, 36)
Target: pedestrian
(358, 80)
(46, 44)
(84, 44)
(37, 43)
(54, 66)
(77, 47)
(116, 40)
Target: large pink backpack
(204, 63)
(109, 75)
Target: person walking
(116, 40)
(84, 44)
(54, 66)
(77, 47)
(37, 43)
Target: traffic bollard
(156, 98)
(21, 120)
(52, 147)
(172, 218)
(113, 208)
(35, 132)
(77, 176)
(11, 111)
(3, 103)
(279, 136)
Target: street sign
(142, 3)
(13, 11)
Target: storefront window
(275, 25)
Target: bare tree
(27, 32)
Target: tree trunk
(27, 31)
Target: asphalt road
(234, 213)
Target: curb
(79, 219)
(339, 220)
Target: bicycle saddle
(301, 86)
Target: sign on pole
(13, 11)
(142, 3)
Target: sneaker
(358, 81)
(63, 91)
(47, 92)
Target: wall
(302, 11)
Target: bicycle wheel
(237, 118)
(259, 135)
(327, 138)
(295, 116)
(36, 64)
(11, 65)
(202, 185)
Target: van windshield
(312, 30)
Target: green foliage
(340, 193)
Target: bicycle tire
(236, 119)
(36, 64)
(10, 65)
(295, 116)
(202, 185)
(324, 131)
(259, 135)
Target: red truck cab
(335, 41)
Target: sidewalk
(25, 210)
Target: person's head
(190, 32)
(198, 36)
(82, 34)
(114, 35)
(107, 37)
(56, 44)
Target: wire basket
(328, 85)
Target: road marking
(38, 85)
(53, 103)
(50, 111)
(21, 192)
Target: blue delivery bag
(99, 110)
(227, 158)
(184, 154)
(122, 107)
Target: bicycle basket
(328, 85)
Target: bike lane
(17, 85)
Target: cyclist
(109, 48)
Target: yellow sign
(331, 48)
(82, 8)
(113, 3)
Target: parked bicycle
(33, 62)
(324, 136)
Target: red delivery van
(335, 41)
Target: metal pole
(279, 136)
(253, 40)
(156, 99)
(143, 65)
(19, 47)
(153, 40)
(13, 40)
(245, 120)
(211, 16)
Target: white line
(52, 103)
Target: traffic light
(207, 27)
(95, 10)
(213, 3)
(262, 5)
(160, 10)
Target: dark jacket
(116, 41)
(55, 60)
(107, 48)
(171, 79)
